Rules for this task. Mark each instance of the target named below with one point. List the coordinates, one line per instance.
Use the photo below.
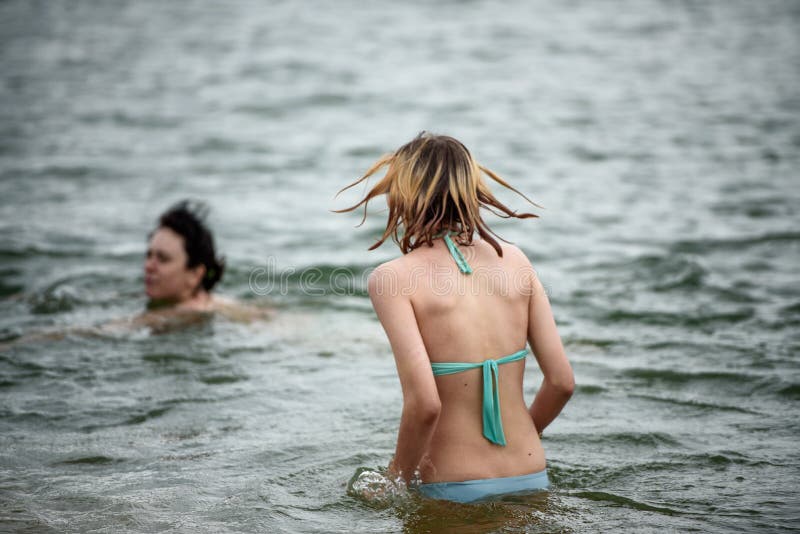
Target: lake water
(662, 138)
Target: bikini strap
(461, 261)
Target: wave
(716, 459)
(638, 439)
(55, 299)
(592, 155)
(755, 208)
(696, 404)
(696, 348)
(8, 284)
(215, 145)
(792, 392)
(128, 120)
(666, 273)
(61, 171)
(672, 376)
(269, 111)
(591, 342)
(214, 380)
(91, 460)
(31, 415)
(624, 501)
(791, 309)
(671, 461)
(738, 383)
(684, 319)
(131, 420)
(315, 280)
(735, 244)
(38, 251)
(165, 358)
(75, 290)
(23, 365)
(146, 416)
(590, 389)
(280, 109)
(365, 151)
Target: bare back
(469, 319)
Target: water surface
(661, 137)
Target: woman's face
(166, 276)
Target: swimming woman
(181, 267)
(180, 270)
(458, 308)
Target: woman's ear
(196, 275)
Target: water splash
(377, 487)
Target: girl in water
(458, 308)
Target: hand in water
(377, 486)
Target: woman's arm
(421, 404)
(559, 381)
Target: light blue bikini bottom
(485, 488)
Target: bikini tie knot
(492, 422)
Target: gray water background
(662, 138)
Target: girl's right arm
(421, 404)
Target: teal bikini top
(492, 422)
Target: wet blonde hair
(433, 185)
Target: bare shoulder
(237, 311)
(389, 278)
(516, 258)
(163, 321)
(524, 271)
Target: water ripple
(624, 501)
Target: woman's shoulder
(519, 266)
(514, 253)
(404, 264)
(239, 311)
(391, 277)
(215, 304)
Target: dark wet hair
(187, 219)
